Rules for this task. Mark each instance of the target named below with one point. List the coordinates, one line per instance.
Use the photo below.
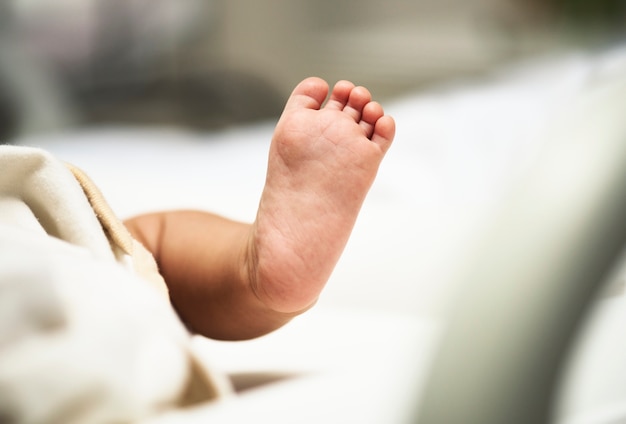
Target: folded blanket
(87, 333)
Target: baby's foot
(322, 162)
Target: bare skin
(231, 280)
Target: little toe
(359, 97)
(372, 112)
(384, 131)
(309, 94)
(340, 95)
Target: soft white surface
(458, 149)
(595, 392)
(339, 366)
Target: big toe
(309, 94)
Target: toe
(340, 95)
(309, 94)
(359, 97)
(384, 131)
(372, 112)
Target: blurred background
(205, 64)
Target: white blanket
(83, 337)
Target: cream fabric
(83, 337)
(120, 240)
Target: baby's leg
(322, 162)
